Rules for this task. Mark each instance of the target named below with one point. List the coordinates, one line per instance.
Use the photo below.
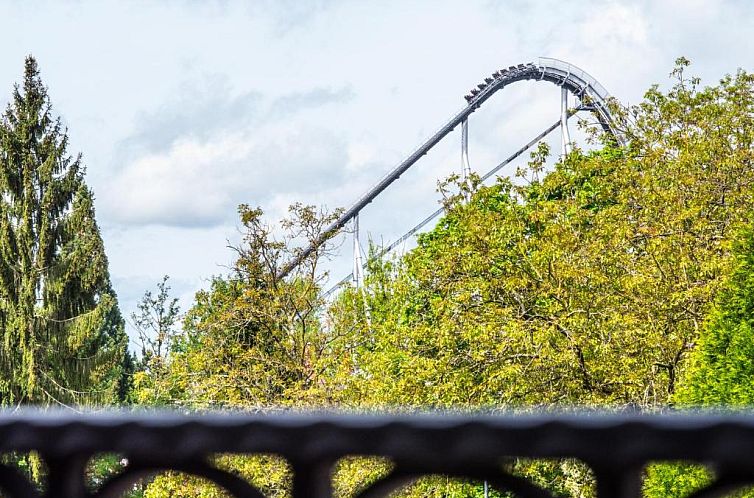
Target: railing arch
(616, 447)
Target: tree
(62, 332)
(721, 370)
(156, 324)
(585, 286)
(253, 339)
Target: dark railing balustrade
(616, 447)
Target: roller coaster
(591, 96)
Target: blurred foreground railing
(616, 447)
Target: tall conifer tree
(62, 332)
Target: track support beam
(565, 136)
(358, 259)
(569, 77)
(465, 150)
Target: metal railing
(617, 448)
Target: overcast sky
(184, 109)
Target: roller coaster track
(570, 78)
(403, 238)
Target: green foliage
(722, 367)
(253, 339)
(354, 474)
(668, 480)
(156, 323)
(566, 477)
(270, 474)
(585, 285)
(62, 332)
(102, 467)
(721, 371)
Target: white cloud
(190, 184)
(210, 106)
(201, 182)
(192, 162)
(614, 26)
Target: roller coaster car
(481, 86)
(469, 97)
(488, 80)
(511, 68)
(474, 92)
(496, 74)
(521, 66)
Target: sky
(185, 109)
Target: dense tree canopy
(618, 277)
(589, 282)
(721, 369)
(588, 286)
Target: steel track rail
(560, 73)
(441, 210)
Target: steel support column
(565, 136)
(465, 150)
(565, 75)
(358, 259)
(465, 153)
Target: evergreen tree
(721, 371)
(62, 332)
(722, 367)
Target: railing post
(312, 479)
(66, 477)
(618, 483)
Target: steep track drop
(576, 81)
